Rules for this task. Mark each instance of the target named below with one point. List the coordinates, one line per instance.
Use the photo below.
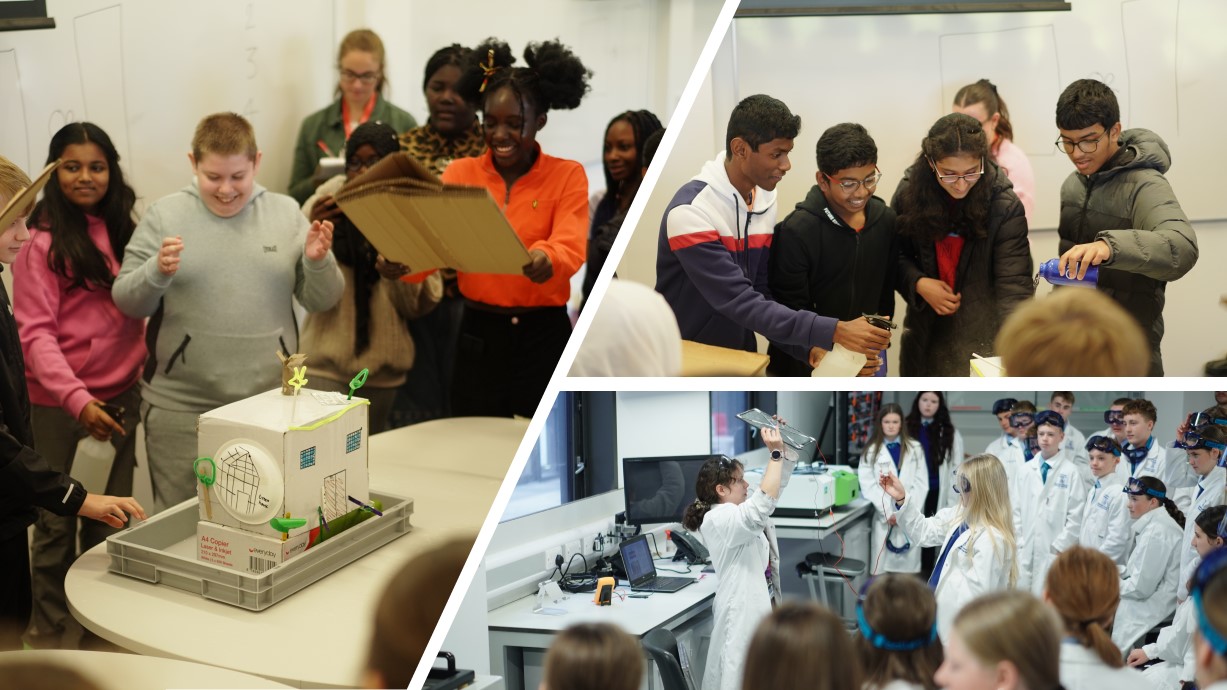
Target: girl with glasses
(367, 328)
(734, 522)
(977, 552)
(1148, 583)
(963, 236)
(362, 76)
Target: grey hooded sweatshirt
(217, 324)
(1130, 205)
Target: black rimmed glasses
(368, 78)
(1085, 145)
(970, 178)
(850, 186)
(359, 164)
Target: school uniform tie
(1095, 493)
(894, 449)
(941, 561)
(1044, 472)
(1200, 489)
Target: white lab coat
(999, 444)
(1175, 648)
(915, 477)
(1148, 583)
(1106, 524)
(1082, 669)
(979, 562)
(1075, 450)
(742, 543)
(1213, 484)
(1013, 461)
(1052, 517)
(945, 483)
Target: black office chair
(662, 646)
(821, 569)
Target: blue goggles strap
(1103, 444)
(1136, 488)
(907, 544)
(880, 641)
(1212, 566)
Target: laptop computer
(641, 571)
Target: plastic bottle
(1050, 271)
(91, 465)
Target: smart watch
(777, 455)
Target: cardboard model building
(278, 474)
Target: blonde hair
(1084, 588)
(368, 42)
(987, 506)
(224, 134)
(594, 656)
(1012, 625)
(1073, 332)
(12, 180)
(793, 648)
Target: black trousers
(15, 597)
(504, 362)
(928, 555)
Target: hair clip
(488, 70)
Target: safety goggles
(1050, 418)
(1114, 417)
(1195, 441)
(1103, 444)
(900, 549)
(1021, 420)
(1135, 487)
(1198, 420)
(1212, 566)
(1004, 405)
(962, 485)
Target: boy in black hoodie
(835, 254)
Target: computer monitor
(658, 489)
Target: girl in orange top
(514, 328)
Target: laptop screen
(637, 558)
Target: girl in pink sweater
(83, 357)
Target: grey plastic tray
(162, 550)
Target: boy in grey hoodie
(216, 265)
(1118, 210)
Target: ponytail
(1174, 511)
(985, 91)
(716, 471)
(1084, 589)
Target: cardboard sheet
(23, 201)
(414, 219)
(708, 360)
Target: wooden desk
(136, 672)
(519, 637)
(708, 360)
(452, 468)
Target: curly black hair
(926, 211)
(554, 78)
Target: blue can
(1050, 271)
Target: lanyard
(366, 115)
(941, 561)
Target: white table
(515, 630)
(452, 469)
(135, 672)
(841, 519)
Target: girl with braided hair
(514, 328)
(1083, 588)
(367, 328)
(735, 524)
(626, 137)
(1149, 581)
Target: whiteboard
(897, 74)
(147, 71)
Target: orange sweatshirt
(548, 207)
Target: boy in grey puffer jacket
(1118, 210)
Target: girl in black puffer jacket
(964, 263)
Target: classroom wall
(872, 69)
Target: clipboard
(23, 202)
(791, 437)
(412, 218)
